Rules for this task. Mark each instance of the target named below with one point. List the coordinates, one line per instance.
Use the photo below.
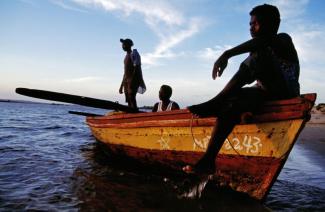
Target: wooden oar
(83, 113)
(79, 100)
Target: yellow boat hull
(249, 161)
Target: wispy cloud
(169, 24)
(309, 42)
(153, 11)
(211, 54)
(30, 2)
(65, 6)
(290, 8)
(167, 42)
(82, 80)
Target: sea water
(49, 161)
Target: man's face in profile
(125, 47)
(254, 26)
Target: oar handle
(83, 113)
(74, 99)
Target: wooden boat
(251, 157)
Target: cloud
(167, 42)
(153, 11)
(65, 6)
(169, 24)
(82, 80)
(211, 54)
(30, 2)
(309, 42)
(290, 9)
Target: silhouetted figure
(272, 62)
(165, 103)
(132, 82)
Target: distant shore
(318, 114)
(28, 102)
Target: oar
(79, 100)
(83, 113)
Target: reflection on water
(49, 161)
(123, 185)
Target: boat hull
(249, 161)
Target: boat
(249, 161)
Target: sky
(72, 46)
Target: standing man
(272, 62)
(132, 82)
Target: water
(49, 161)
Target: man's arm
(121, 86)
(155, 107)
(248, 46)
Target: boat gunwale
(289, 109)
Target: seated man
(272, 62)
(165, 104)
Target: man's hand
(219, 66)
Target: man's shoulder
(175, 105)
(284, 36)
(155, 107)
(134, 52)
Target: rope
(235, 149)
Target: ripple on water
(54, 127)
(286, 195)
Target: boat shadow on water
(123, 184)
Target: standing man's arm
(122, 85)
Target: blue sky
(72, 46)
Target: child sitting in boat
(165, 103)
(272, 62)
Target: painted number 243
(251, 144)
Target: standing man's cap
(127, 41)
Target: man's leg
(247, 99)
(132, 100)
(210, 108)
(219, 134)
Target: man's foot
(199, 169)
(188, 169)
(205, 109)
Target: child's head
(165, 92)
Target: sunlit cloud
(169, 24)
